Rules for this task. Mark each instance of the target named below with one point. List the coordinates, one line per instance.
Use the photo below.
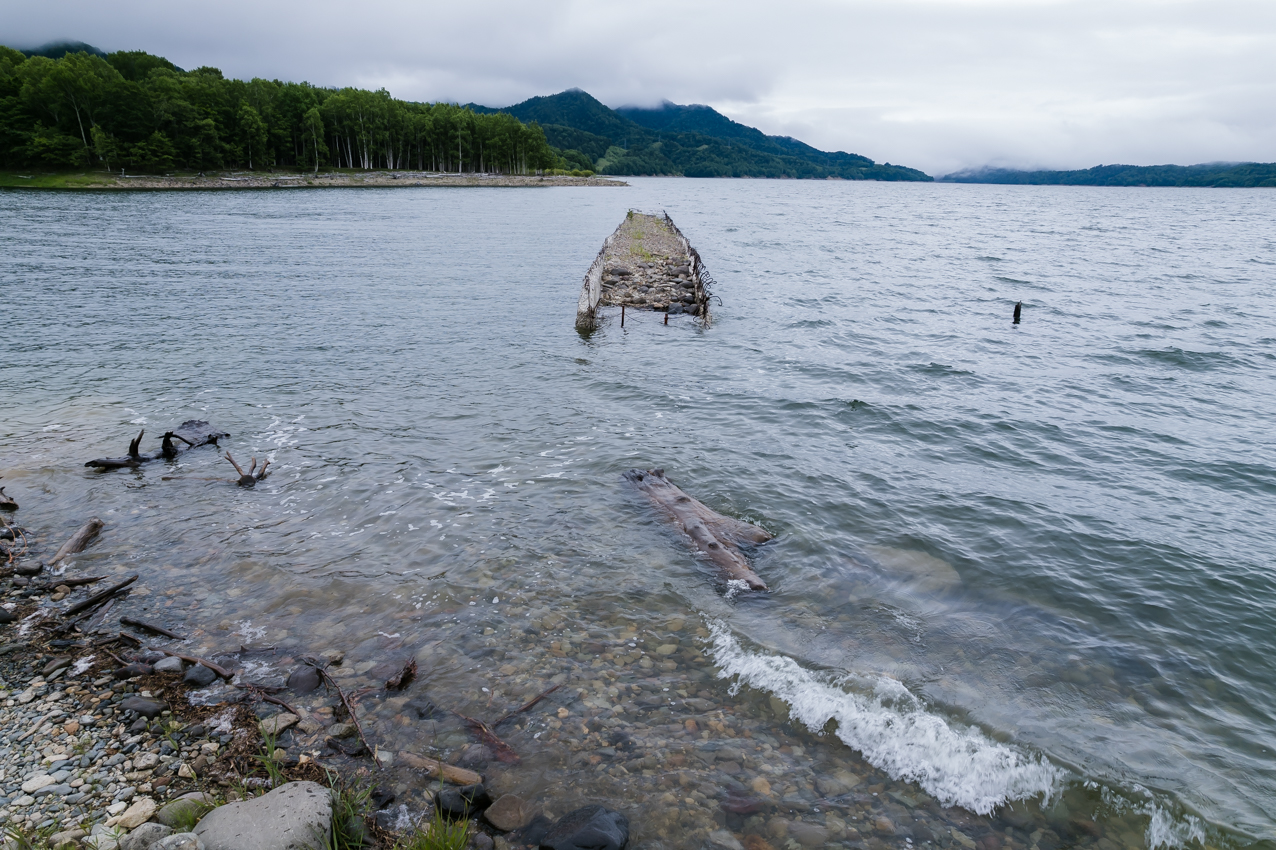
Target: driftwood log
(436, 769)
(79, 540)
(252, 476)
(718, 537)
(192, 432)
(98, 598)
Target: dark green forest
(1217, 175)
(693, 141)
(75, 107)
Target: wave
(883, 720)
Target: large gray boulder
(296, 816)
(145, 836)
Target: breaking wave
(879, 717)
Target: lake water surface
(1026, 562)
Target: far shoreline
(241, 180)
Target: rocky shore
(269, 180)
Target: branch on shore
(354, 718)
(191, 659)
(98, 598)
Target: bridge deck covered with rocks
(646, 264)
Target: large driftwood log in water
(79, 540)
(718, 537)
(192, 432)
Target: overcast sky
(936, 84)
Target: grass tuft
(438, 834)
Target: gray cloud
(937, 84)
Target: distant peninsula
(1217, 175)
(69, 106)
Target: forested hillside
(1227, 175)
(141, 112)
(694, 141)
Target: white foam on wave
(883, 720)
(1166, 830)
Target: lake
(1023, 563)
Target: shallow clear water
(1009, 560)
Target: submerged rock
(464, 802)
(304, 679)
(509, 813)
(588, 828)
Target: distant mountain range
(692, 141)
(1215, 174)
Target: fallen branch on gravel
(259, 693)
(77, 582)
(79, 540)
(354, 718)
(248, 479)
(531, 703)
(150, 627)
(98, 598)
(191, 659)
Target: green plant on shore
(186, 818)
(437, 834)
(351, 802)
(269, 760)
(19, 839)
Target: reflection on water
(1008, 562)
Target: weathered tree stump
(193, 432)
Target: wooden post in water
(1018, 311)
(622, 315)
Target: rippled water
(1011, 562)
